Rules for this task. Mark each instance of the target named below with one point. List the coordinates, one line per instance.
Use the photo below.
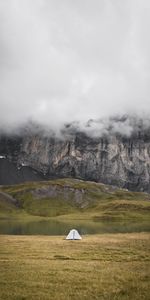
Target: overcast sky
(67, 60)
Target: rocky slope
(112, 159)
(60, 197)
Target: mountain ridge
(113, 159)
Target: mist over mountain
(73, 61)
(123, 125)
(113, 155)
(74, 91)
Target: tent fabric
(73, 235)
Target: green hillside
(71, 198)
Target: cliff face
(115, 160)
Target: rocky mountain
(112, 158)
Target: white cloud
(64, 61)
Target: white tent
(73, 235)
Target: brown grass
(111, 266)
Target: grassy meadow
(111, 267)
(100, 266)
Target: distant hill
(64, 197)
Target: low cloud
(73, 61)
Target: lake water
(60, 228)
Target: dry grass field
(110, 266)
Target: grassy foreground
(111, 266)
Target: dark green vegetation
(110, 267)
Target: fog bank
(73, 61)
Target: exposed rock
(113, 159)
(67, 193)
